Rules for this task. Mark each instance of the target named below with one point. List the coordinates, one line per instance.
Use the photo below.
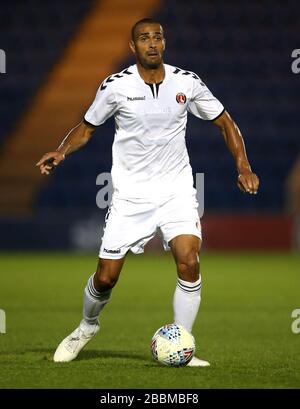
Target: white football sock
(93, 302)
(186, 302)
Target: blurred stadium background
(57, 54)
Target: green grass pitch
(243, 327)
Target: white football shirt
(150, 158)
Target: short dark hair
(146, 20)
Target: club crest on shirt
(181, 98)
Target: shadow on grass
(106, 354)
(96, 354)
(46, 354)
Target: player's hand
(248, 182)
(49, 161)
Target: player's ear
(132, 46)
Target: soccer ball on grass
(173, 345)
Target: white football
(173, 345)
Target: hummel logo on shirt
(136, 98)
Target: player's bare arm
(247, 180)
(76, 138)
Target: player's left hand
(49, 161)
(248, 182)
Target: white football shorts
(131, 223)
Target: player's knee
(107, 274)
(188, 267)
(105, 278)
(104, 282)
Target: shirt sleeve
(104, 105)
(203, 103)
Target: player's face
(149, 45)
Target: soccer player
(151, 174)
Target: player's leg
(99, 287)
(96, 295)
(185, 249)
(129, 226)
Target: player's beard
(151, 65)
